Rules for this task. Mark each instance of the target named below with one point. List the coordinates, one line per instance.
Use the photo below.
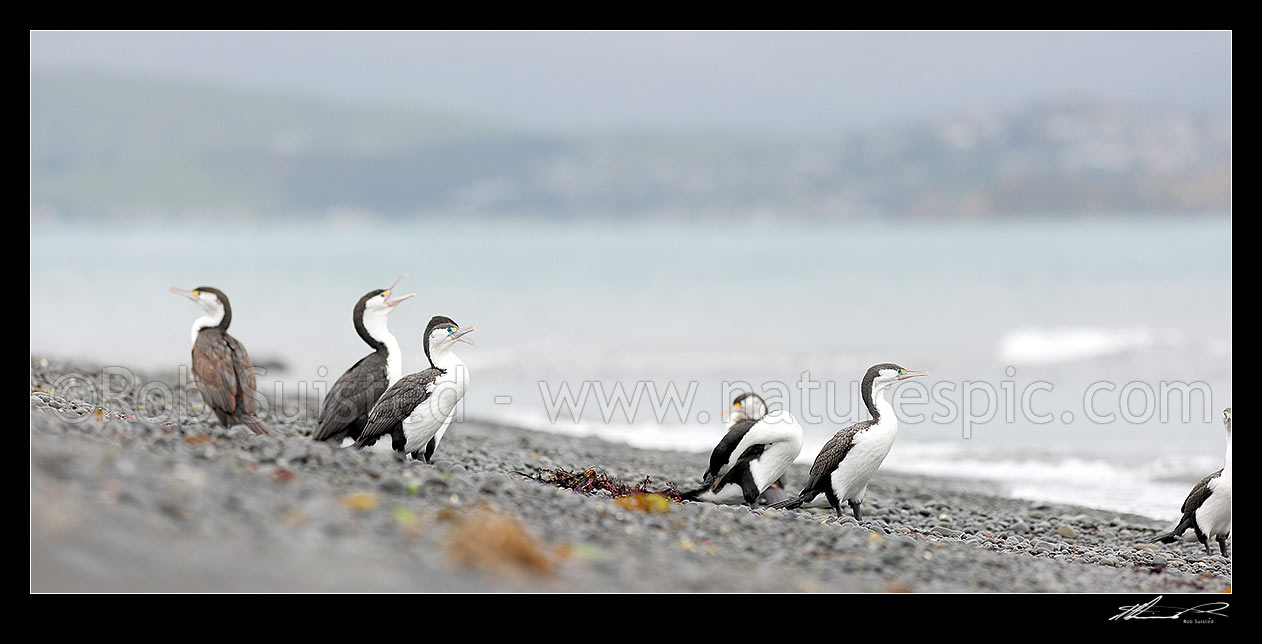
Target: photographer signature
(1156, 612)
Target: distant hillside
(104, 143)
(112, 146)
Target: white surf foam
(1152, 488)
(1035, 345)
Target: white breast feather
(436, 412)
(867, 452)
(1214, 516)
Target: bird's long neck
(1227, 459)
(878, 406)
(447, 360)
(213, 319)
(376, 332)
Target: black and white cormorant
(345, 408)
(221, 367)
(414, 412)
(751, 406)
(754, 454)
(1207, 510)
(849, 460)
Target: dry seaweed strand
(591, 481)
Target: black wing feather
(1196, 498)
(352, 397)
(214, 371)
(247, 404)
(723, 451)
(398, 401)
(1198, 495)
(750, 454)
(831, 455)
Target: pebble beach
(123, 503)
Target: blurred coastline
(116, 148)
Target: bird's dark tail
(1167, 537)
(257, 425)
(789, 504)
(774, 494)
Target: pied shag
(414, 412)
(849, 460)
(752, 456)
(344, 411)
(221, 367)
(1207, 510)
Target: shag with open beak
(221, 367)
(344, 411)
(756, 451)
(849, 460)
(1207, 509)
(415, 412)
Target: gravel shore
(119, 503)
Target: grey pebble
(267, 449)
(391, 484)
(295, 452)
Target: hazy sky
(773, 80)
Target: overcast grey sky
(769, 80)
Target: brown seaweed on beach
(592, 481)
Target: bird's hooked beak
(459, 335)
(396, 282)
(392, 302)
(715, 485)
(192, 295)
(913, 374)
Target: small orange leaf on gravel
(360, 500)
(654, 503)
(200, 438)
